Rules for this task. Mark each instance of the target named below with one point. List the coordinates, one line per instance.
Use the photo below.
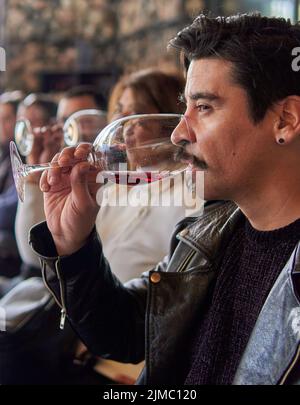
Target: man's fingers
(82, 150)
(54, 174)
(45, 177)
(66, 156)
(44, 185)
(80, 185)
(82, 174)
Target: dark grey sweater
(251, 264)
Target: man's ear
(287, 126)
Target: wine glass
(133, 150)
(81, 126)
(84, 126)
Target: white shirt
(135, 238)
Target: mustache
(182, 155)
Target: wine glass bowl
(144, 141)
(132, 150)
(84, 126)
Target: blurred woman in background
(136, 238)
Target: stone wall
(88, 35)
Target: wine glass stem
(28, 169)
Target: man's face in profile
(221, 135)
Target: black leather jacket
(154, 317)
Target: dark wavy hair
(42, 101)
(86, 90)
(260, 49)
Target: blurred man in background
(79, 98)
(44, 148)
(46, 358)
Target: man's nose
(183, 132)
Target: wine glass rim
(24, 121)
(17, 140)
(16, 164)
(135, 116)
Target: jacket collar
(213, 229)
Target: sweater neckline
(288, 233)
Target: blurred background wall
(54, 44)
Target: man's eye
(202, 107)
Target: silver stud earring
(280, 141)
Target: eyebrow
(199, 95)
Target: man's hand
(70, 198)
(47, 142)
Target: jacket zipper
(294, 361)
(62, 319)
(63, 312)
(147, 334)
